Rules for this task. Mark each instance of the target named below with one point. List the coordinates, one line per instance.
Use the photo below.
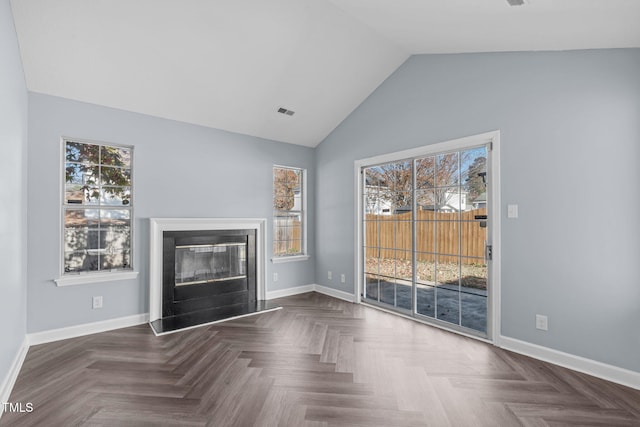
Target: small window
(97, 208)
(288, 212)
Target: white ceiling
(230, 64)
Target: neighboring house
(450, 201)
(379, 206)
(480, 201)
(374, 203)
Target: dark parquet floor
(317, 362)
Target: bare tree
(475, 181)
(285, 184)
(438, 180)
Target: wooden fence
(287, 236)
(448, 235)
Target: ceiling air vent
(515, 2)
(285, 111)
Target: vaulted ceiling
(231, 64)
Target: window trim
(72, 279)
(304, 255)
(86, 277)
(279, 259)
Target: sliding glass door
(388, 222)
(424, 231)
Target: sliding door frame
(492, 139)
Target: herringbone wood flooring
(317, 362)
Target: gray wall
(180, 170)
(570, 133)
(13, 140)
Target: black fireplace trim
(206, 317)
(183, 300)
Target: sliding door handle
(488, 252)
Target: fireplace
(205, 270)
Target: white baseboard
(289, 292)
(587, 366)
(311, 288)
(86, 329)
(12, 375)
(346, 296)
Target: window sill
(279, 260)
(86, 278)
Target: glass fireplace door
(198, 264)
(207, 270)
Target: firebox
(212, 271)
(209, 263)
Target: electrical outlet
(343, 278)
(275, 277)
(97, 302)
(329, 275)
(542, 322)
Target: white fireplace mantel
(159, 225)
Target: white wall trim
(305, 236)
(297, 290)
(425, 150)
(587, 366)
(86, 278)
(294, 258)
(345, 296)
(86, 329)
(494, 322)
(10, 380)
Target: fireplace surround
(204, 270)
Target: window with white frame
(289, 214)
(97, 208)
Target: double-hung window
(97, 208)
(289, 213)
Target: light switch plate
(96, 302)
(542, 322)
(512, 211)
